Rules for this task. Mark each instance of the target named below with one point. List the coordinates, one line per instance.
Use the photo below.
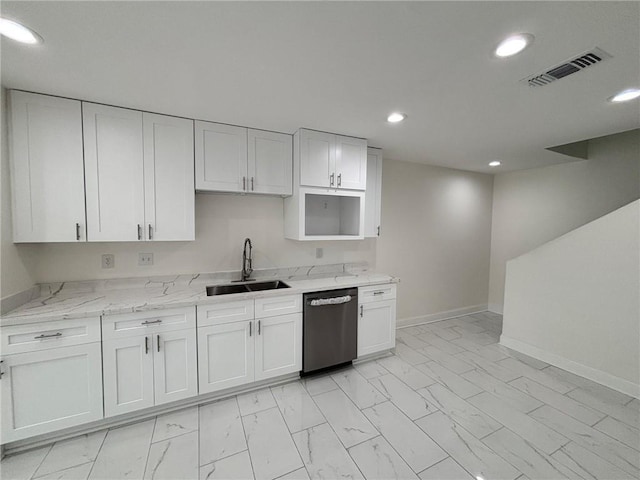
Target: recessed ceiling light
(396, 117)
(513, 44)
(19, 33)
(495, 163)
(626, 95)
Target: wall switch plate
(319, 252)
(108, 260)
(145, 259)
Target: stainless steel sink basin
(245, 287)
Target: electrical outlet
(319, 252)
(145, 259)
(108, 260)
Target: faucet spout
(247, 262)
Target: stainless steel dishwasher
(330, 331)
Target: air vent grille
(567, 68)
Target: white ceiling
(342, 67)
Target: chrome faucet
(247, 267)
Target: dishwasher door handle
(319, 302)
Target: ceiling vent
(574, 65)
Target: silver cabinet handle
(150, 232)
(252, 184)
(1, 370)
(146, 345)
(139, 232)
(339, 179)
(244, 183)
(52, 335)
(379, 293)
(77, 231)
(258, 327)
(361, 311)
(378, 230)
(331, 178)
(158, 342)
(250, 328)
(151, 322)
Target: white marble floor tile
(514, 397)
(358, 389)
(413, 445)
(620, 455)
(446, 333)
(124, 452)
(297, 407)
(464, 330)
(588, 465)
(377, 460)
(527, 458)
(323, 454)
(630, 416)
(532, 362)
(318, 385)
(271, 447)
(255, 401)
(174, 458)
(483, 338)
(72, 452)
(415, 330)
(600, 391)
(460, 411)
(175, 423)
(411, 403)
(620, 431)
(370, 369)
(347, 421)
(440, 343)
(558, 401)
(221, 431)
(79, 472)
(446, 360)
(539, 376)
(409, 355)
(537, 434)
(234, 467)
(410, 340)
(467, 450)
(452, 381)
(406, 372)
(447, 469)
(300, 474)
(493, 352)
(488, 366)
(23, 465)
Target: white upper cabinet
(221, 157)
(113, 151)
(373, 203)
(46, 168)
(139, 175)
(331, 161)
(168, 178)
(270, 162)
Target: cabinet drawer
(46, 335)
(376, 293)
(141, 323)
(270, 307)
(227, 312)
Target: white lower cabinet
(143, 370)
(49, 387)
(235, 350)
(376, 319)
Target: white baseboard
(603, 378)
(436, 317)
(496, 308)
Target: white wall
(575, 302)
(436, 232)
(534, 206)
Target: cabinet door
(278, 345)
(175, 365)
(128, 374)
(270, 162)
(221, 157)
(225, 356)
(168, 178)
(113, 155)
(373, 194)
(317, 158)
(49, 390)
(376, 327)
(47, 171)
(351, 163)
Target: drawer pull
(151, 322)
(146, 345)
(158, 342)
(1, 370)
(52, 335)
(380, 292)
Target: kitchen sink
(245, 287)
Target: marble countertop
(58, 301)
